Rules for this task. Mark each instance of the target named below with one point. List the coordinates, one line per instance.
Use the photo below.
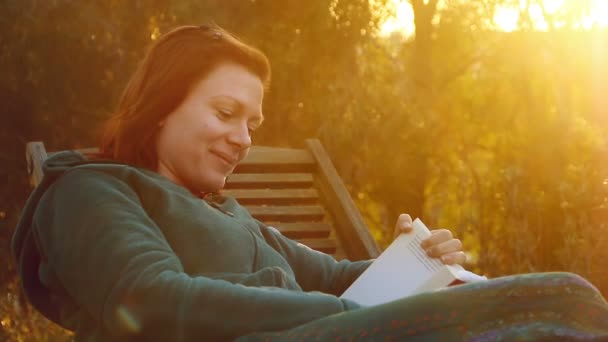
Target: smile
(230, 161)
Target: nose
(240, 136)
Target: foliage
(500, 136)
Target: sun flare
(402, 21)
(579, 14)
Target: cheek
(192, 134)
(212, 132)
(177, 142)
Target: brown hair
(172, 66)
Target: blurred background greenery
(489, 117)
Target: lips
(227, 158)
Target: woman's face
(200, 143)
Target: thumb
(403, 225)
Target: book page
(443, 277)
(430, 264)
(398, 272)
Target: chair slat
(274, 196)
(269, 180)
(286, 213)
(301, 230)
(278, 155)
(35, 155)
(267, 159)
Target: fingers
(403, 225)
(454, 258)
(442, 244)
(437, 236)
(450, 246)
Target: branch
(420, 8)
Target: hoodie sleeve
(115, 264)
(314, 270)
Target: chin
(213, 181)
(216, 185)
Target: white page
(444, 277)
(399, 271)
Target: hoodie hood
(52, 168)
(24, 246)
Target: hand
(441, 244)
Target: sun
(506, 17)
(581, 14)
(598, 16)
(402, 22)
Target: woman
(134, 247)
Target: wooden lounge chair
(298, 191)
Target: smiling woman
(200, 143)
(166, 77)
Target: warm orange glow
(579, 14)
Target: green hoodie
(115, 252)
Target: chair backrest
(298, 191)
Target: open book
(404, 269)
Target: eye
(224, 113)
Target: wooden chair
(298, 191)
